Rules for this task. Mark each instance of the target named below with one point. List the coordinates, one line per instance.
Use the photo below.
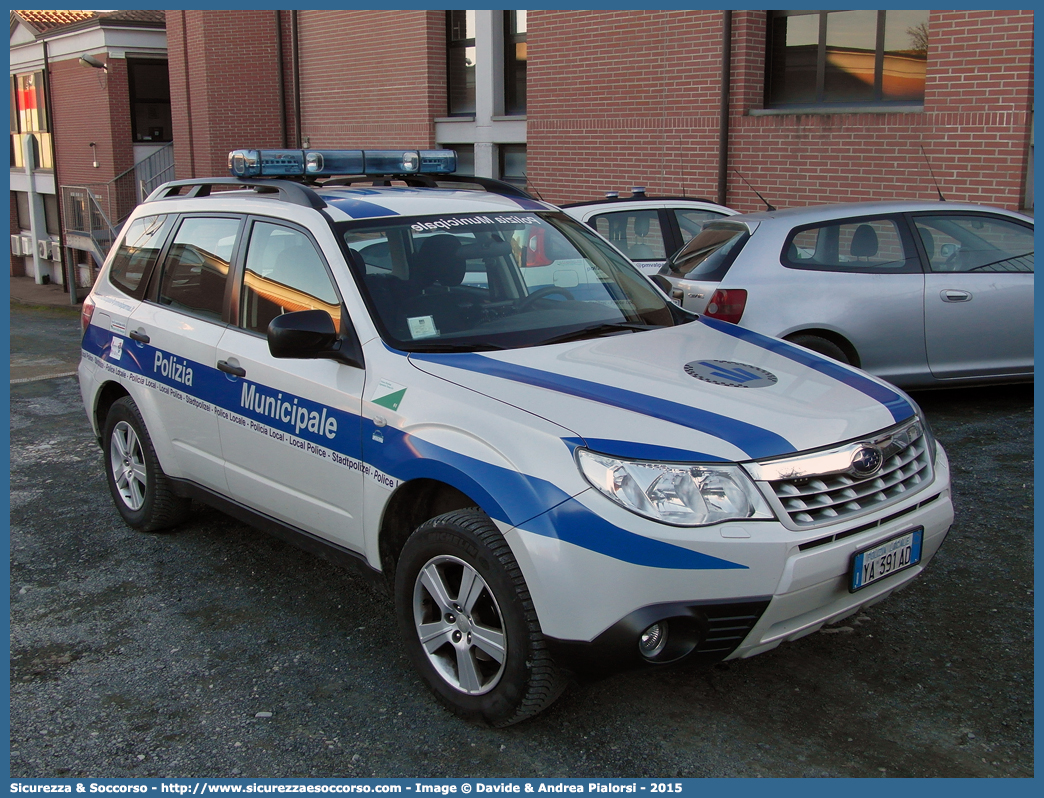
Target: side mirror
(310, 334)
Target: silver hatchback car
(923, 294)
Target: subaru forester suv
(487, 408)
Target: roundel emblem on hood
(867, 461)
(733, 375)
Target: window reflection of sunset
(902, 75)
(290, 299)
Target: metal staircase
(94, 213)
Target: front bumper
(593, 605)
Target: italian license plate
(884, 559)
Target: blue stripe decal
(357, 208)
(631, 450)
(406, 457)
(528, 204)
(755, 441)
(590, 531)
(505, 494)
(896, 404)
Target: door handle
(139, 336)
(953, 295)
(228, 368)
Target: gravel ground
(218, 651)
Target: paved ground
(151, 655)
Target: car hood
(702, 391)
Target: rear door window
(636, 233)
(195, 269)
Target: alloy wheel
(128, 465)
(460, 625)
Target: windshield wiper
(597, 331)
(447, 347)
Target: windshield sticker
(463, 221)
(388, 394)
(116, 349)
(422, 327)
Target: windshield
(460, 282)
(708, 255)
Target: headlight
(929, 436)
(676, 493)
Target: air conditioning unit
(43, 249)
(16, 245)
(27, 245)
(56, 252)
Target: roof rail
(287, 190)
(618, 200)
(490, 184)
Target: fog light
(653, 640)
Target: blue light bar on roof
(324, 163)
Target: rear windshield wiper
(596, 331)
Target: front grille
(858, 530)
(811, 500)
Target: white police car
(479, 401)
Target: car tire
(822, 346)
(140, 489)
(469, 624)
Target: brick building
(822, 106)
(90, 96)
(805, 106)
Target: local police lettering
(464, 221)
(278, 408)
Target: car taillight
(727, 304)
(85, 315)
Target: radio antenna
(768, 205)
(531, 183)
(937, 190)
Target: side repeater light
(324, 163)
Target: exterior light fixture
(90, 61)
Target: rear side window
(137, 254)
(195, 269)
(862, 246)
(709, 255)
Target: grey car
(923, 294)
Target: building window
(50, 206)
(513, 164)
(22, 201)
(29, 118)
(149, 101)
(51, 214)
(460, 62)
(514, 62)
(823, 57)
